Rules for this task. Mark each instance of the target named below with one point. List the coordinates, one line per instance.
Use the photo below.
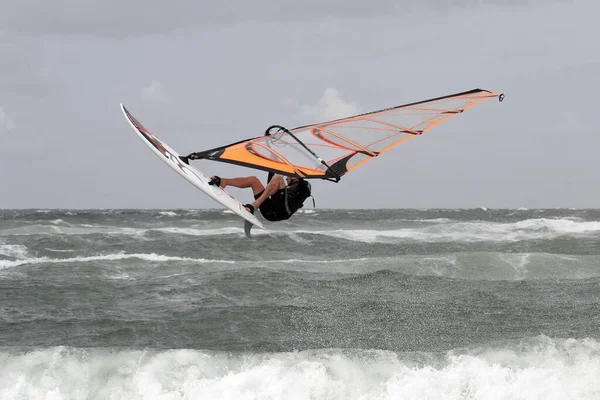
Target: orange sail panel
(331, 149)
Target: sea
(331, 304)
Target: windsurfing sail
(329, 150)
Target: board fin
(247, 228)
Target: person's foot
(186, 159)
(215, 181)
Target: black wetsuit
(285, 202)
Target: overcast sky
(201, 74)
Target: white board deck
(191, 174)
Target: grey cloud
(116, 18)
(155, 93)
(7, 120)
(23, 71)
(330, 106)
(228, 82)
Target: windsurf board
(191, 174)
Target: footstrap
(215, 180)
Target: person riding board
(278, 201)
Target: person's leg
(244, 182)
(273, 186)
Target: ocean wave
(81, 229)
(428, 230)
(472, 266)
(152, 257)
(440, 230)
(459, 265)
(89, 229)
(159, 258)
(200, 232)
(13, 250)
(475, 266)
(477, 231)
(539, 367)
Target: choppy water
(333, 304)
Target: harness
(301, 191)
(287, 196)
(294, 196)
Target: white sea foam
(438, 230)
(59, 222)
(559, 226)
(201, 232)
(61, 250)
(168, 213)
(541, 228)
(434, 220)
(159, 258)
(83, 229)
(13, 250)
(540, 368)
(461, 265)
(296, 261)
(152, 257)
(306, 211)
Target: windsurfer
(277, 201)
